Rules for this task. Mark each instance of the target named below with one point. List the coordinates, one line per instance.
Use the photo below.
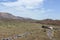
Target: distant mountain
(5, 15)
(49, 22)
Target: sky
(35, 9)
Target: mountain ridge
(7, 16)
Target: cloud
(25, 8)
(28, 4)
(1, 1)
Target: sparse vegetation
(49, 22)
(9, 28)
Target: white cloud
(26, 8)
(29, 4)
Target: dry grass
(9, 29)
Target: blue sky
(36, 9)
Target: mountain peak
(4, 13)
(7, 15)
